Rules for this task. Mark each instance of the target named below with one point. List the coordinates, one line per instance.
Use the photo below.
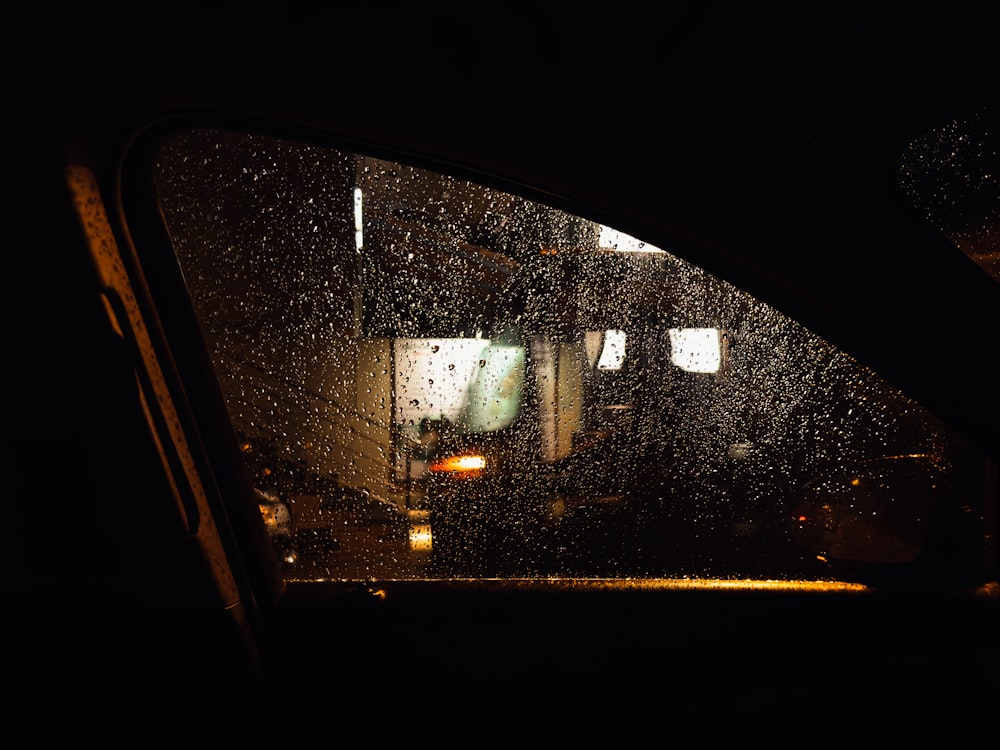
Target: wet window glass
(432, 379)
(951, 175)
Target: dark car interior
(837, 161)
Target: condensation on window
(437, 379)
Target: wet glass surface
(443, 380)
(951, 175)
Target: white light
(612, 239)
(613, 352)
(434, 377)
(695, 349)
(359, 239)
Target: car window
(433, 378)
(951, 175)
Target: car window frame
(176, 319)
